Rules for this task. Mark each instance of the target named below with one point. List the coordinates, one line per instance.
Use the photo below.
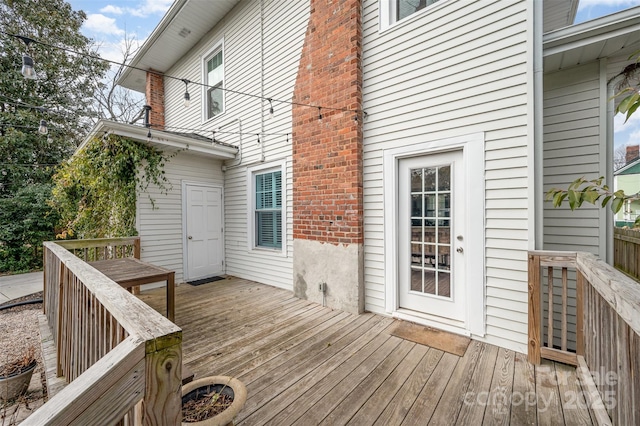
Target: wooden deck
(305, 364)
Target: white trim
(431, 321)
(218, 46)
(185, 260)
(472, 147)
(265, 168)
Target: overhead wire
(186, 81)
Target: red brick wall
(327, 155)
(154, 92)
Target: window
(268, 209)
(392, 11)
(214, 80)
(405, 8)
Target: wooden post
(534, 309)
(136, 248)
(579, 313)
(163, 390)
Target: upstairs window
(214, 81)
(404, 8)
(268, 209)
(392, 11)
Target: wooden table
(130, 272)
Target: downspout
(610, 140)
(538, 123)
(262, 141)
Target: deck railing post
(163, 391)
(534, 309)
(136, 248)
(579, 313)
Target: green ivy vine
(95, 191)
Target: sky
(110, 21)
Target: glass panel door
(431, 230)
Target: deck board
(306, 364)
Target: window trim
(251, 206)
(388, 14)
(217, 47)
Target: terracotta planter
(15, 385)
(223, 384)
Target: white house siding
(160, 228)
(572, 146)
(457, 68)
(284, 25)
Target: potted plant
(15, 375)
(212, 401)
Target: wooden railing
(103, 248)
(626, 251)
(607, 317)
(121, 358)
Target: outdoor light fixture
(270, 108)
(43, 129)
(187, 97)
(27, 61)
(27, 68)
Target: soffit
(612, 35)
(182, 27)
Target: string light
(187, 97)
(320, 115)
(27, 70)
(174, 77)
(270, 108)
(43, 129)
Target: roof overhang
(612, 35)
(163, 140)
(626, 167)
(182, 27)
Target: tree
(619, 157)
(62, 95)
(114, 102)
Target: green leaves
(95, 191)
(591, 191)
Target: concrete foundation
(339, 267)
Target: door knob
(190, 237)
(459, 250)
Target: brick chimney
(633, 152)
(328, 232)
(154, 92)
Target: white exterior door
(431, 235)
(204, 242)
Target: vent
(184, 32)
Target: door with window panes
(431, 235)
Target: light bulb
(43, 130)
(27, 68)
(187, 99)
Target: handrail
(103, 248)
(607, 321)
(119, 355)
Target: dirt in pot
(205, 402)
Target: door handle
(459, 250)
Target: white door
(204, 231)
(431, 215)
